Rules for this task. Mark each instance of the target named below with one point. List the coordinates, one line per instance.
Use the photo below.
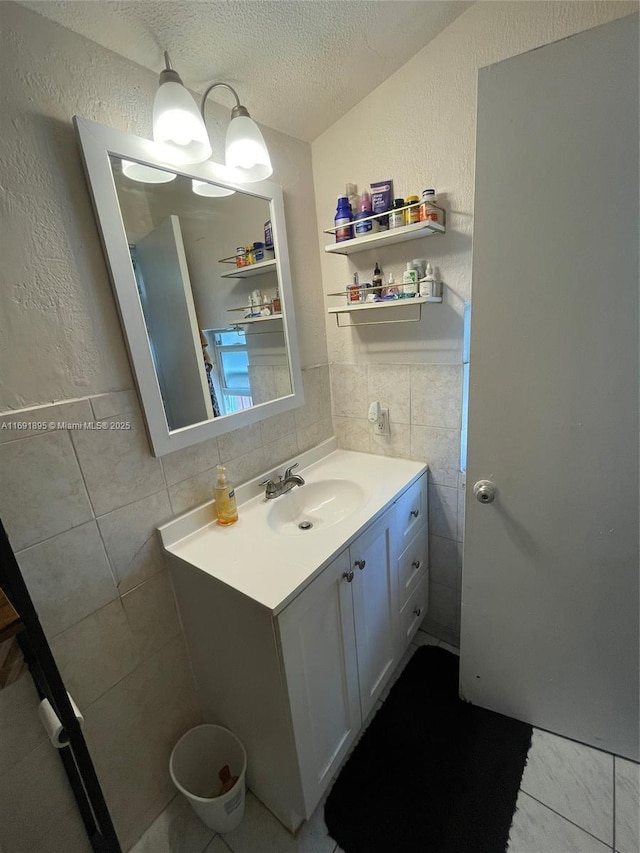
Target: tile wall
(81, 508)
(424, 402)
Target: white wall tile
(537, 829)
(117, 464)
(440, 448)
(443, 607)
(277, 426)
(352, 433)
(238, 442)
(243, 468)
(68, 577)
(42, 488)
(20, 727)
(151, 612)
(132, 541)
(12, 423)
(349, 390)
(189, 461)
(443, 511)
(317, 397)
(444, 561)
(572, 779)
(389, 383)
(436, 395)
(281, 450)
(95, 653)
(195, 491)
(397, 443)
(627, 808)
(114, 403)
(315, 433)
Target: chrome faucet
(283, 484)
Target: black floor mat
(432, 774)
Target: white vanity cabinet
(292, 641)
(339, 642)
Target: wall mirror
(200, 269)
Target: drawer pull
(418, 611)
(415, 513)
(416, 564)
(360, 564)
(348, 575)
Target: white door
(169, 312)
(550, 587)
(375, 609)
(319, 653)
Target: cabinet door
(375, 609)
(319, 654)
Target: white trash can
(195, 764)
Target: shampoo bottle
(225, 499)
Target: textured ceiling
(298, 66)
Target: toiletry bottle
(409, 281)
(225, 499)
(390, 291)
(353, 290)
(428, 285)
(428, 210)
(396, 217)
(276, 304)
(342, 220)
(376, 281)
(413, 213)
(352, 194)
(364, 211)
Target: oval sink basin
(315, 506)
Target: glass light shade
(209, 190)
(178, 123)
(245, 150)
(146, 174)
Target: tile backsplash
(81, 509)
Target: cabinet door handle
(360, 564)
(415, 513)
(416, 564)
(418, 611)
(348, 575)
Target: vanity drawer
(414, 610)
(411, 512)
(412, 564)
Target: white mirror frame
(97, 144)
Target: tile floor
(573, 799)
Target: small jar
(396, 217)
(413, 213)
(241, 256)
(428, 211)
(258, 252)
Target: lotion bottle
(225, 499)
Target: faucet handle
(287, 473)
(272, 488)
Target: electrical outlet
(382, 426)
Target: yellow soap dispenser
(225, 499)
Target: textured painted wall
(418, 128)
(61, 336)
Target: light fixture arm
(238, 110)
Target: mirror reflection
(205, 269)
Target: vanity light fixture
(176, 120)
(246, 152)
(178, 124)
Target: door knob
(485, 491)
(348, 575)
(360, 564)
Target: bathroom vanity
(293, 633)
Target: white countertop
(272, 567)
